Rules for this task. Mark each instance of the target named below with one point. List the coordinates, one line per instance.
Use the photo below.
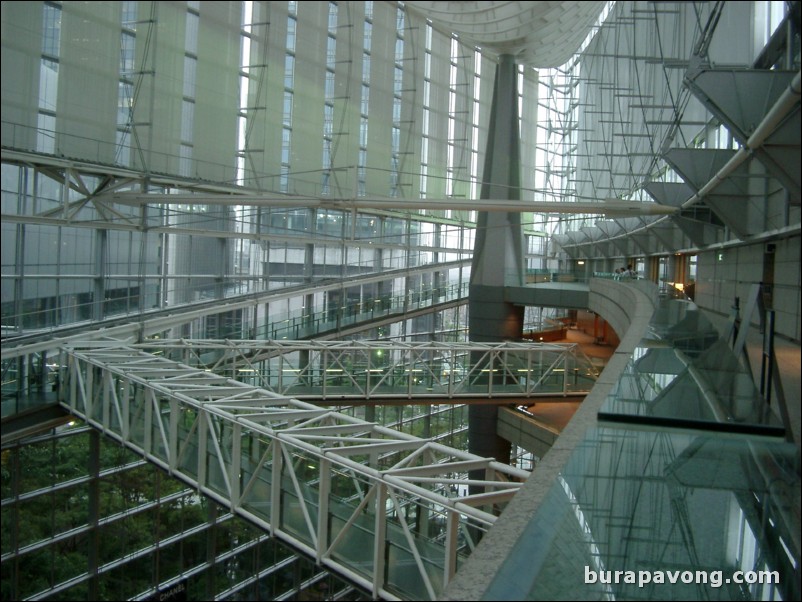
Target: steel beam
(197, 434)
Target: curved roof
(539, 34)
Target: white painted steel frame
(228, 439)
(524, 367)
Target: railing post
(203, 440)
(236, 464)
(275, 487)
(72, 377)
(370, 353)
(529, 379)
(379, 538)
(324, 372)
(149, 398)
(172, 439)
(490, 355)
(766, 375)
(125, 404)
(108, 392)
(324, 490)
(89, 390)
(450, 561)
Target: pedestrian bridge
(394, 513)
(386, 369)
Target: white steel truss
(393, 512)
(384, 368)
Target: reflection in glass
(659, 501)
(684, 374)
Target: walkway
(673, 462)
(555, 415)
(392, 512)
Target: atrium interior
(401, 300)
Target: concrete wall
(617, 302)
(525, 432)
(594, 325)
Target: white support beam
(610, 207)
(152, 416)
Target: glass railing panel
(680, 324)
(160, 427)
(403, 575)
(319, 319)
(188, 461)
(114, 416)
(684, 374)
(98, 395)
(292, 517)
(214, 471)
(657, 504)
(136, 416)
(354, 538)
(255, 486)
(188, 437)
(469, 535)
(299, 509)
(424, 527)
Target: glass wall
(93, 521)
(203, 110)
(103, 263)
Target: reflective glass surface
(684, 374)
(685, 491)
(662, 505)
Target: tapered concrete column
(498, 256)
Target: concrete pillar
(678, 268)
(498, 257)
(585, 271)
(653, 269)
